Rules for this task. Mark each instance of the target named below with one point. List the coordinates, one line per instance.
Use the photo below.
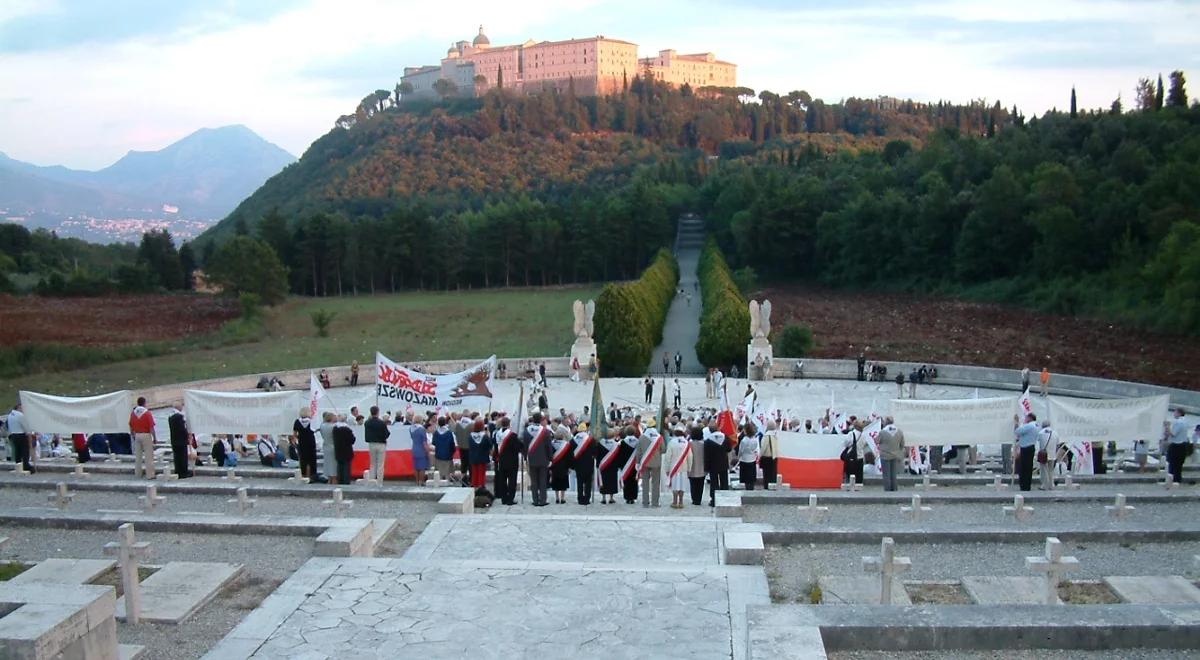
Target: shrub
(746, 280)
(725, 317)
(795, 341)
(321, 320)
(251, 305)
(630, 317)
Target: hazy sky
(83, 81)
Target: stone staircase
(690, 233)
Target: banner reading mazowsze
(955, 421)
(1104, 420)
(107, 413)
(239, 412)
(397, 386)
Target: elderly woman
(328, 421)
(768, 452)
(306, 438)
(747, 456)
(678, 464)
(561, 463)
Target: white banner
(106, 413)
(239, 412)
(401, 388)
(1104, 420)
(955, 421)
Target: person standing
(420, 451)
(560, 464)
(862, 366)
(696, 471)
(666, 363)
(900, 383)
(328, 460)
(650, 450)
(607, 453)
(768, 452)
(376, 433)
(709, 391)
(678, 463)
(891, 452)
(716, 461)
(854, 448)
(1044, 381)
(508, 450)
(648, 384)
(307, 441)
(443, 448)
(1178, 446)
(481, 449)
(627, 458)
(678, 362)
(343, 449)
(677, 393)
(462, 439)
(141, 425)
(354, 374)
(18, 437)
(747, 456)
(538, 455)
(585, 465)
(542, 374)
(912, 384)
(1027, 436)
(575, 369)
(180, 441)
(1047, 455)
(1025, 379)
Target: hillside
(205, 174)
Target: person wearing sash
(537, 457)
(607, 456)
(650, 450)
(585, 465)
(716, 461)
(696, 465)
(679, 461)
(768, 452)
(627, 459)
(747, 455)
(508, 461)
(560, 464)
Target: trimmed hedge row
(630, 317)
(725, 318)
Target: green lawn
(406, 327)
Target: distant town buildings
(595, 65)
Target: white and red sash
(687, 450)
(627, 470)
(649, 454)
(611, 456)
(504, 440)
(561, 453)
(582, 445)
(538, 439)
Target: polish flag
(725, 423)
(810, 460)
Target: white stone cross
(852, 485)
(61, 497)
(1053, 564)
(231, 475)
(1069, 482)
(1018, 510)
(915, 510)
(436, 478)
(112, 458)
(298, 477)
(151, 499)
(128, 553)
(340, 506)
(998, 483)
(815, 513)
(1118, 509)
(888, 565)
(19, 469)
(1169, 482)
(167, 475)
(243, 501)
(367, 481)
(79, 471)
(926, 483)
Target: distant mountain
(205, 175)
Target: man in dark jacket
(538, 454)
(376, 434)
(180, 440)
(508, 461)
(343, 449)
(716, 461)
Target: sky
(84, 81)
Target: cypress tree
(1158, 94)
(1074, 108)
(499, 77)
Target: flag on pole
(1024, 404)
(315, 393)
(662, 411)
(871, 434)
(598, 425)
(725, 423)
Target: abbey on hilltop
(597, 65)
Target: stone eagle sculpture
(583, 318)
(760, 319)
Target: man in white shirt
(18, 437)
(1047, 444)
(1177, 446)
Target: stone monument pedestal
(759, 348)
(583, 349)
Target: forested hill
(460, 154)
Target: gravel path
(791, 569)
(968, 516)
(268, 560)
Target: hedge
(630, 317)
(725, 317)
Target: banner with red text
(399, 388)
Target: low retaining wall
(994, 378)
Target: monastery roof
(598, 37)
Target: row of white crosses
(1053, 565)
(915, 510)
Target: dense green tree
(248, 265)
(1177, 96)
(157, 254)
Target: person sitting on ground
(222, 451)
(269, 455)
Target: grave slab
(1154, 590)
(858, 590)
(771, 639)
(51, 621)
(744, 548)
(180, 588)
(66, 571)
(990, 590)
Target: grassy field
(406, 327)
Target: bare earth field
(110, 320)
(920, 328)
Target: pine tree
(1177, 97)
(1074, 107)
(499, 77)
(1158, 94)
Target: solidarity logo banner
(397, 386)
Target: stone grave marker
(998, 483)
(243, 501)
(1053, 564)
(1169, 483)
(915, 510)
(340, 505)
(78, 472)
(926, 483)
(1069, 482)
(1018, 510)
(815, 513)
(167, 475)
(151, 499)
(128, 553)
(61, 498)
(298, 477)
(366, 481)
(19, 469)
(852, 485)
(1118, 509)
(231, 475)
(888, 565)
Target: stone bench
(43, 621)
(457, 500)
(728, 504)
(743, 548)
(353, 539)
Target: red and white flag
(1024, 404)
(315, 393)
(871, 435)
(725, 423)
(810, 460)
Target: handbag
(1042, 457)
